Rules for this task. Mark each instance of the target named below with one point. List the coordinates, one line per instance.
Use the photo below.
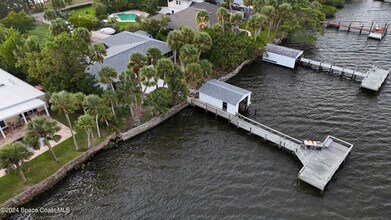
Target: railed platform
(373, 79)
(319, 166)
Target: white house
(282, 56)
(225, 96)
(18, 102)
(174, 6)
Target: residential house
(119, 48)
(19, 102)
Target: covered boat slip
(319, 166)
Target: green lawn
(88, 10)
(41, 31)
(43, 166)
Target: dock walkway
(373, 79)
(319, 166)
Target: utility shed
(224, 96)
(283, 56)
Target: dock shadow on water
(194, 166)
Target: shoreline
(39, 188)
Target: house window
(178, 2)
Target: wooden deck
(319, 166)
(373, 79)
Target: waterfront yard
(43, 166)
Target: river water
(197, 167)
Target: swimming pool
(124, 17)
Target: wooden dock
(319, 166)
(373, 79)
(373, 31)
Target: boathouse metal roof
(224, 91)
(285, 51)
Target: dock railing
(271, 130)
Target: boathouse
(282, 56)
(224, 96)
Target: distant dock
(319, 166)
(373, 79)
(374, 31)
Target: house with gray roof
(283, 56)
(187, 16)
(225, 96)
(119, 48)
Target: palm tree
(269, 11)
(42, 128)
(79, 98)
(167, 71)
(222, 16)
(202, 19)
(154, 54)
(236, 20)
(98, 52)
(188, 34)
(175, 41)
(14, 154)
(258, 4)
(107, 75)
(194, 73)
(229, 3)
(256, 22)
(92, 104)
(188, 54)
(283, 11)
(106, 115)
(136, 62)
(110, 98)
(86, 123)
(148, 74)
(207, 68)
(65, 103)
(128, 89)
(203, 42)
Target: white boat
(377, 32)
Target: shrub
(18, 20)
(328, 10)
(90, 22)
(133, 27)
(100, 10)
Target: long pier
(373, 79)
(319, 166)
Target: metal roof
(14, 91)
(285, 51)
(224, 91)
